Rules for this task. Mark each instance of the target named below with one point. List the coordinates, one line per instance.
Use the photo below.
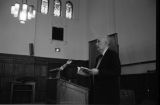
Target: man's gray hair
(105, 39)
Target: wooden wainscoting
(16, 67)
(144, 86)
(30, 68)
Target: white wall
(136, 27)
(133, 20)
(74, 45)
(15, 37)
(101, 18)
(135, 23)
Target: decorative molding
(138, 63)
(26, 59)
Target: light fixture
(23, 11)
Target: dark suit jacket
(110, 64)
(105, 87)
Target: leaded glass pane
(57, 8)
(69, 10)
(44, 6)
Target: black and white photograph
(79, 52)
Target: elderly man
(105, 87)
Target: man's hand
(86, 71)
(94, 71)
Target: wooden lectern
(60, 91)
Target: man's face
(101, 45)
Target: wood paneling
(13, 67)
(144, 85)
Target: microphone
(63, 66)
(69, 61)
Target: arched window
(69, 10)
(57, 8)
(44, 6)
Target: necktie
(99, 60)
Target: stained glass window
(69, 10)
(57, 8)
(44, 6)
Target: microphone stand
(58, 76)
